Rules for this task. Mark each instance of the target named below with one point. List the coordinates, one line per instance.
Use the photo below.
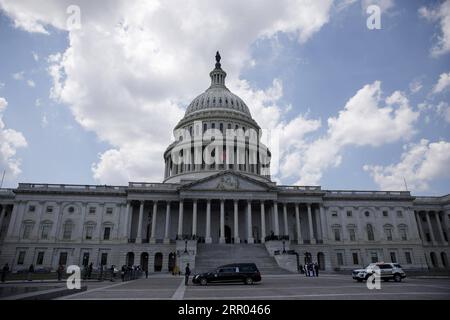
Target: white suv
(387, 271)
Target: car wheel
(397, 278)
(248, 280)
(203, 282)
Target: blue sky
(80, 135)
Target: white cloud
(384, 5)
(10, 141)
(364, 121)
(35, 56)
(155, 58)
(442, 15)
(443, 109)
(18, 75)
(420, 164)
(31, 83)
(443, 83)
(415, 86)
(44, 121)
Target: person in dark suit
(5, 271)
(187, 273)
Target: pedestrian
(316, 268)
(122, 272)
(187, 273)
(305, 269)
(5, 271)
(302, 271)
(30, 272)
(59, 271)
(146, 273)
(112, 272)
(101, 273)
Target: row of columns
(208, 238)
(430, 226)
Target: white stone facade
(139, 224)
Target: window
(355, 258)
(385, 213)
(393, 257)
(21, 257)
(370, 235)
(334, 213)
(337, 234)
(213, 125)
(40, 258)
(89, 232)
(71, 209)
(104, 259)
(63, 258)
(106, 233)
(27, 228)
(352, 234)
(374, 257)
(109, 210)
(428, 237)
(408, 258)
(49, 209)
(45, 232)
(67, 231)
(205, 126)
(399, 214)
(85, 259)
(388, 232)
(367, 213)
(340, 259)
(31, 208)
(221, 127)
(403, 234)
(349, 213)
(91, 210)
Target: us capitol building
(209, 213)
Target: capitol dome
(215, 109)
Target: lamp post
(284, 249)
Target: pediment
(228, 181)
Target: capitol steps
(211, 256)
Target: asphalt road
(272, 287)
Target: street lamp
(284, 249)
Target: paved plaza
(272, 287)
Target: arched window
(67, 230)
(46, 227)
(370, 235)
(444, 259)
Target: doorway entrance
(227, 234)
(144, 261)
(158, 262)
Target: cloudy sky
(94, 100)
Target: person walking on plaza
(89, 273)
(5, 271)
(30, 272)
(316, 269)
(187, 274)
(122, 272)
(59, 272)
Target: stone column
(35, 232)
(82, 220)
(128, 214)
(412, 224)
(297, 224)
(236, 222)
(311, 230)
(263, 223)
(57, 227)
(275, 212)
(141, 216)
(318, 224)
(222, 221)
(180, 220)
(19, 219)
(2, 216)
(208, 222)
(100, 224)
(194, 218)
(166, 229)
(441, 232)
(249, 223)
(286, 230)
(154, 212)
(12, 220)
(419, 225)
(323, 223)
(430, 228)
